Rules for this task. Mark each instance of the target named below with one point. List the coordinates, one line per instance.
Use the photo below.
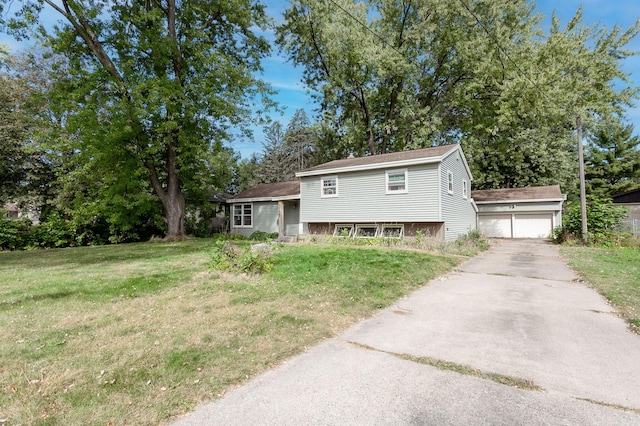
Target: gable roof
(532, 193)
(289, 190)
(394, 159)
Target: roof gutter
(530, 200)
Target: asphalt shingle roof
(435, 151)
(529, 193)
(264, 190)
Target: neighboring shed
(401, 193)
(631, 201)
(531, 212)
(268, 207)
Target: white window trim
(343, 225)
(406, 181)
(450, 182)
(322, 179)
(233, 215)
(391, 225)
(465, 189)
(371, 225)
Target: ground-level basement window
(343, 231)
(366, 231)
(392, 231)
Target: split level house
(396, 194)
(425, 191)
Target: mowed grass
(141, 333)
(614, 272)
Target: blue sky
(292, 94)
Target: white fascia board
(388, 164)
(538, 200)
(263, 199)
(286, 198)
(249, 200)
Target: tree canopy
(26, 171)
(151, 88)
(392, 76)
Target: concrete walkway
(514, 311)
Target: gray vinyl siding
(265, 219)
(362, 197)
(458, 213)
(291, 218)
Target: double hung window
(329, 186)
(242, 215)
(397, 182)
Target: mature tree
(246, 174)
(286, 152)
(152, 86)
(273, 162)
(300, 142)
(26, 171)
(612, 159)
(392, 76)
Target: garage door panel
(533, 225)
(495, 225)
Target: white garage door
(537, 225)
(495, 225)
(532, 225)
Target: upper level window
(465, 189)
(329, 186)
(449, 182)
(242, 215)
(397, 182)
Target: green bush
(14, 233)
(603, 220)
(263, 236)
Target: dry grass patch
(147, 332)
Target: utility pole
(583, 192)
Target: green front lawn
(614, 272)
(104, 335)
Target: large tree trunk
(171, 197)
(174, 214)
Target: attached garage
(519, 212)
(495, 225)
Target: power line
(375, 34)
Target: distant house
(401, 193)
(531, 212)
(268, 207)
(15, 211)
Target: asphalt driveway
(516, 311)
